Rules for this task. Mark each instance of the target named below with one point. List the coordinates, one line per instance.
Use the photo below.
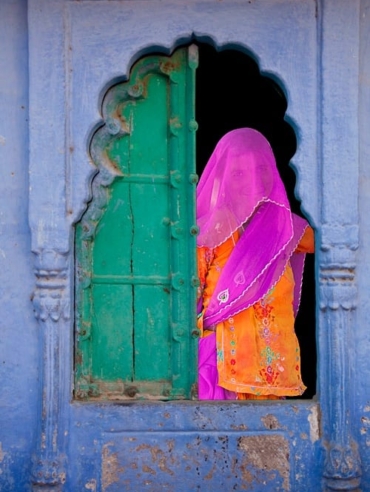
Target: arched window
(135, 244)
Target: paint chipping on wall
(313, 419)
(159, 457)
(265, 457)
(110, 467)
(241, 427)
(270, 422)
(91, 485)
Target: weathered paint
(135, 244)
(19, 344)
(324, 67)
(313, 419)
(207, 445)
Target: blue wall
(18, 327)
(361, 333)
(105, 444)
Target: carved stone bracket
(48, 474)
(337, 267)
(49, 299)
(342, 467)
(52, 310)
(338, 301)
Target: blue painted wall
(107, 447)
(361, 334)
(19, 343)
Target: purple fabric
(208, 389)
(240, 174)
(241, 188)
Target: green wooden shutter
(135, 244)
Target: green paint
(135, 244)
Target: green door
(135, 244)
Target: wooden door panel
(135, 251)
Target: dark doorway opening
(231, 93)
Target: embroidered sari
(250, 260)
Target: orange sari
(258, 354)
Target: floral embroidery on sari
(246, 247)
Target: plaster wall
(99, 436)
(19, 340)
(360, 332)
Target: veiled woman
(250, 262)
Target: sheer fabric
(250, 258)
(241, 188)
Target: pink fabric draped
(208, 389)
(241, 188)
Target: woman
(250, 266)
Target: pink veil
(241, 188)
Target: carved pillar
(52, 310)
(338, 160)
(338, 297)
